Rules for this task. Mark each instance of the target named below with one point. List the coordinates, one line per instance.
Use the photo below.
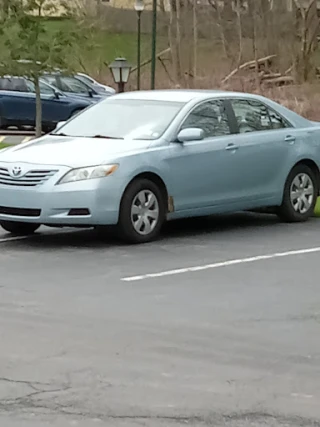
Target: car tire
(300, 195)
(19, 228)
(142, 212)
(2, 122)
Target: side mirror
(90, 91)
(190, 134)
(56, 95)
(59, 124)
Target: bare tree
(239, 7)
(195, 38)
(308, 23)
(253, 10)
(218, 7)
(174, 35)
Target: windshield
(123, 118)
(85, 79)
(67, 84)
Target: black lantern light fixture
(120, 69)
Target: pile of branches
(262, 69)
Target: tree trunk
(255, 41)
(162, 6)
(195, 39)
(38, 108)
(178, 41)
(222, 33)
(174, 43)
(309, 26)
(240, 33)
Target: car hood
(71, 152)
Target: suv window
(253, 116)
(44, 89)
(210, 117)
(70, 84)
(14, 84)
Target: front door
(202, 173)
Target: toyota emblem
(16, 171)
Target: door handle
(232, 147)
(290, 138)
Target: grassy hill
(105, 46)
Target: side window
(5, 84)
(19, 85)
(277, 121)
(73, 85)
(252, 116)
(44, 89)
(30, 86)
(210, 117)
(13, 84)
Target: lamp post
(139, 8)
(120, 69)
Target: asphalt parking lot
(216, 324)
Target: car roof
(186, 96)
(181, 95)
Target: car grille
(5, 210)
(30, 179)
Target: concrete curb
(15, 139)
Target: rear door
(53, 109)
(264, 148)
(19, 103)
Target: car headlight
(91, 172)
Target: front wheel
(142, 212)
(300, 195)
(19, 228)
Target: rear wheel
(2, 122)
(142, 212)
(19, 228)
(300, 195)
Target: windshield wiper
(105, 137)
(58, 134)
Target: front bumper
(51, 204)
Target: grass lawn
(317, 208)
(106, 46)
(4, 145)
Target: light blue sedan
(138, 159)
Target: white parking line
(221, 264)
(28, 138)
